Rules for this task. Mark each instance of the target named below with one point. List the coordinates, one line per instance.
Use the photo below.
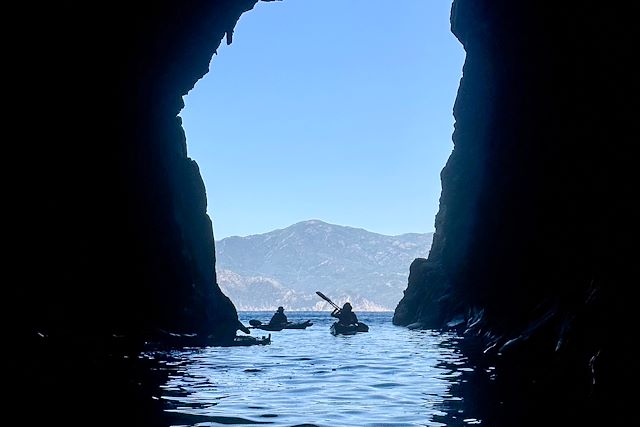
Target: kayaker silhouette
(345, 315)
(279, 318)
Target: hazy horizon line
(324, 222)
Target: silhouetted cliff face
(107, 225)
(530, 236)
(116, 235)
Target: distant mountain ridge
(287, 266)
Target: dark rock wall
(114, 235)
(107, 230)
(531, 241)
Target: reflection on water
(388, 376)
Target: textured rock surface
(116, 235)
(530, 239)
(109, 237)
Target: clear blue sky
(338, 110)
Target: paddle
(324, 297)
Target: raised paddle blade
(324, 297)
(321, 295)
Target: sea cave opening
(322, 150)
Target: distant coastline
(285, 267)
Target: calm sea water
(390, 376)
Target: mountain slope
(285, 267)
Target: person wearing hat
(279, 318)
(345, 315)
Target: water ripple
(390, 376)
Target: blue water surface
(389, 376)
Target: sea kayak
(242, 340)
(352, 329)
(257, 324)
(169, 340)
